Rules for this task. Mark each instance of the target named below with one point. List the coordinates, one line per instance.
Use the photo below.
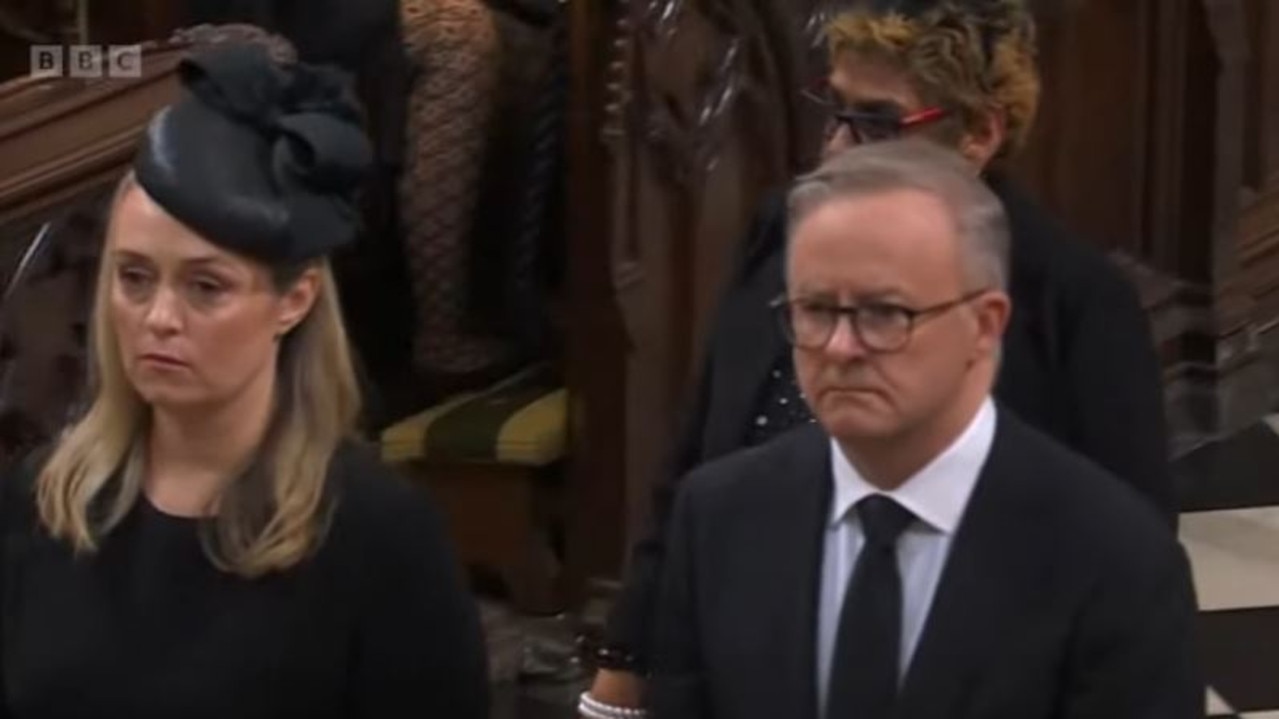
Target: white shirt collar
(937, 494)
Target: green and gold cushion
(521, 420)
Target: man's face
(896, 248)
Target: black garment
(1065, 595)
(376, 624)
(781, 407)
(1079, 363)
(864, 673)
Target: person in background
(919, 551)
(209, 539)
(1078, 357)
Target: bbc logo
(86, 61)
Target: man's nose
(844, 343)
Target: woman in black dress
(1079, 362)
(208, 540)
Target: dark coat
(1079, 363)
(375, 622)
(1064, 596)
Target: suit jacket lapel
(747, 344)
(984, 588)
(789, 544)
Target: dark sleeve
(1117, 417)
(419, 649)
(629, 621)
(17, 483)
(676, 686)
(8, 475)
(1135, 654)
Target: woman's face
(869, 87)
(197, 326)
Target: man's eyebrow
(885, 294)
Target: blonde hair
(967, 57)
(277, 513)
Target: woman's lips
(162, 360)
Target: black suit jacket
(1065, 595)
(1079, 363)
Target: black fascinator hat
(262, 158)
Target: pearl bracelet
(592, 708)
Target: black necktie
(864, 673)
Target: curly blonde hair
(967, 56)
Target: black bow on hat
(261, 158)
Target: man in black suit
(1079, 361)
(919, 552)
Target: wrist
(618, 689)
(592, 708)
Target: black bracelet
(615, 659)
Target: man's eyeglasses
(870, 126)
(879, 326)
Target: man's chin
(859, 424)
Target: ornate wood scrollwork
(813, 28)
(716, 106)
(617, 79)
(662, 19)
(687, 137)
(689, 148)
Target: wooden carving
(698, 108)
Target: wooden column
(595, 356)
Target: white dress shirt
(937, 495)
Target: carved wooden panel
(696, 104)
(711, 126)
(1122, 148)
(1249, 33)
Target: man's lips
(850, 392)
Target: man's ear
(982, 142)
(993, 312)
(297, 301)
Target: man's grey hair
(924, 166)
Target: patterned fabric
(518, 226)
(521, 420)
(43, 323)
(782, 406)
(456, 45)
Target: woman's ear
(981, 143)
(297, 301)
